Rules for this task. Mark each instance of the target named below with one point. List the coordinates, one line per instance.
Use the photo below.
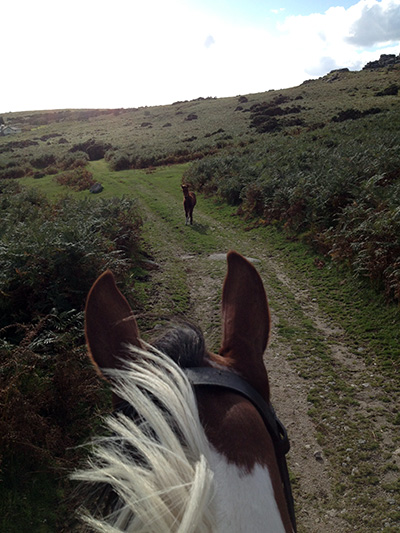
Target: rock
(222, 257)
(96, 188)
(148, 264)
(386, 60)
(318, 456)
(336, 70)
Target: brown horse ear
(109, 324)
(246, 322)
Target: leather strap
(214, 377)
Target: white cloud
(336, 38)
(378, 23)
(128, 53)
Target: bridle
(213, 377)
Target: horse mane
(168, 488)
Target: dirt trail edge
(343, 455)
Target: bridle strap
(214, 377)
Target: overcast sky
(58, 54)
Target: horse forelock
(219, 407)
(184, 344)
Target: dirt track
(321, 388)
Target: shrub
(49, 257)
(50, 254)
(74, 160)
(48, 394)
(94, 149)
(367, 236)
(43, 161)
(228, 175)
(120, 161)
(354, 114)
(79, 179)
(391, 90)
(14, 172)
(348, 114)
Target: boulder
(96, 188)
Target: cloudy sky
(58, 54)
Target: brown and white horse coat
(188, 461)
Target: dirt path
(343, 458)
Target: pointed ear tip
(103, 283)
(107, 275)
(106, 278)
(232, 255)
(238, 260)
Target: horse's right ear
(109, 324)
(246, 322)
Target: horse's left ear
(109, 324)
(246, 322)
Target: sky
(58, 54)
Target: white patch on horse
(244, 502)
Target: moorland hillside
(320, 160)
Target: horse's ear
(246, 321)
(109, 324)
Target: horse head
(186, 456)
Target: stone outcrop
(386, 60)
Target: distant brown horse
(189, 201)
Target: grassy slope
(320, 101)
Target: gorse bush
(79, 179)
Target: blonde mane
(170, 489)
